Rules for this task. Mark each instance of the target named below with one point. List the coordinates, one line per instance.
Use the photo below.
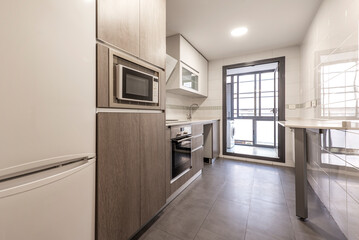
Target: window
(339, 85)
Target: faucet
(189, 115)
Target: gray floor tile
(198, 203)
(255, 235)
(157, 234)
(183, 225)
(242, 200)
(227, 219)
(236, 192)
(268, 192)
(204, 234)
(271, 219)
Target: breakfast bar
(300, 152)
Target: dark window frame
(281, 107)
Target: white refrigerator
(47, 119)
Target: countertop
(189, 122)
(321, 124)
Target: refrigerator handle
(41, 178)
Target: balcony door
(251, 109)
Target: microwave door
(135, 86)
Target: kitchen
(125, 119)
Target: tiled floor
(237, 200)
(254, 151)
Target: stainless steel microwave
(137, 86)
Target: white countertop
(321, 124)
(186, 122)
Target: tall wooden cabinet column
(153, 165)
(130, 172)
(118, 176)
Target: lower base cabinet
(131, 185)
(196, 157)
(197, 161)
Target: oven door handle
(184, 139)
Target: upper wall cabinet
(190, 76)
(118, 24)
(153, 31)
(137, 27)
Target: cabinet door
(118, 24)
(153, 31)
(153, 165)
(215, 140)
(197, 161)
(118, 176)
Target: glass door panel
(265, 133)
(189, 78)
(244, 131)
(246, 96)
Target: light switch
(314, 103)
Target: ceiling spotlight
(239, 31)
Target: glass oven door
(181, 155)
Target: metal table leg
(301, 201)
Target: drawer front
(197, 142)
(197, 161)
(197, 129)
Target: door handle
(274, 110)
(185, 139)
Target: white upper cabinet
(190, 75)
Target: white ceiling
(271, 24)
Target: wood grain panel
(215, 140)
(197, 142)
(102, 76)
(197, 129)
(179, 182)
(118, 24)
(153, 165)
(197, 161)
(153, 31)
(168, 161)
(118, 176)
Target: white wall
(334, 30)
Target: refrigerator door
(47, 86)
(56, 204)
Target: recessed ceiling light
(239, 31)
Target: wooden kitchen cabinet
(118, 24)
(197, 161)
(197, 148)
(118, 176)
(211, 141)
(137, 27)
(153, 31)
(153, 167)
(130, 172)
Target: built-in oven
(136, 86)
(181, 137)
